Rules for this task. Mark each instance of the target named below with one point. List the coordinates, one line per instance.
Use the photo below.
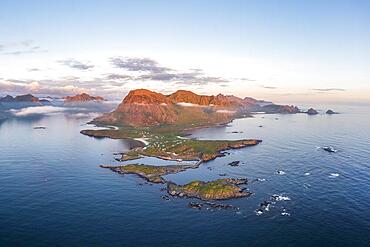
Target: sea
(53, 192)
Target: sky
(284, 51)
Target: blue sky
(280, 50)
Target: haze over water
(53, 192)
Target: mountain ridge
(143, 108)
(83, 97)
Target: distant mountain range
(78, 103)
(84, 97)
(145, 108)
(29, 98)
(21, 98)
(142, 107)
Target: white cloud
(225, 111)
(38, 110)
(24, 87)
(185, 104)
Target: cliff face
(144, 108)
(205, 100)
(144, 96)
(84, 97)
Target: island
(220, 189)
(184, 109)
(83, 97)
(312, 111)
(21, 101)
(331, 112)
(20, 98)
(150, 173)
(159, 124)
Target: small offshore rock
(280, 172)
(39, 128)
(165, 197)
(195, 205)
(312, 111)
(330, 112)
(234, 163)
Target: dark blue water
(52, 192)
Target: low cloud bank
(77, 112)
(189, 104)
(225, 111)
(38, 110)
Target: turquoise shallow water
(52, 191)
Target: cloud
(74, 64)
(38, 110)
(111, 83)
(22, 52)
(20, 48)
(33, 70)
(90, 115)
(246, 79)
(118, 77)
(328, 89)
(138, 64)
(269, 87)
(151, 70)
(64, 86)
(226, 111)
(24, 43)
(71, 78)
(186, 104)
(23, 87)
(182, 78)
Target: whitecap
(279, 198)
(280, 172)
(307, 174)
(259, 212)
(334, 175)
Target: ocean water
(53, 192)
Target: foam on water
(334, 175)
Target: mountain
(7, 98)
(20, 98)
(84, 97)
(205, 100)
(142, 107)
